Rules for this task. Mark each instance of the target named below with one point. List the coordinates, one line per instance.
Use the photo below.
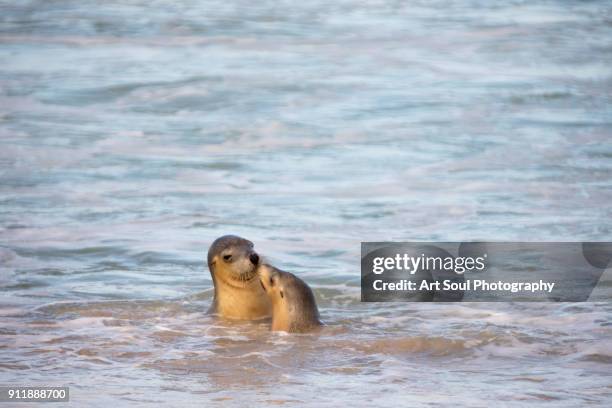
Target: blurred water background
(133, 133)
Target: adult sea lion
(294, 308)
(238, 294)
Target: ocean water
(133, 133)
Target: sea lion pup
(238, 294)
(294, 308)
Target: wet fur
(238, 294)
(296, 310)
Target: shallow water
(134, 133)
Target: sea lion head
(294, 308)
(232, 259)
(233, 262)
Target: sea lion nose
(254, 258)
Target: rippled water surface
(133, 133)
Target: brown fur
(294, 308)
(238, 293)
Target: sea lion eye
(271, 282)
(281, 293)
(227, 257)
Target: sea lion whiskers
(233, 267)
(294, 308)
